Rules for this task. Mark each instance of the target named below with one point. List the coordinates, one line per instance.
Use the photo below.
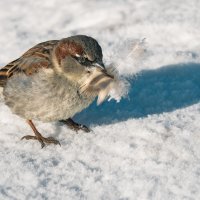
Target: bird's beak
(101, 68)
(99, 65)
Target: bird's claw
(75, 126)
(43, 141)
(78, 127)
(84, 128)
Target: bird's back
(29, 62)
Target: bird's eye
(82, 60)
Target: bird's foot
(75, 126)
(43, 141)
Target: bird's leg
(39, 137)
(75, 126)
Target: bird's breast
(44, 96)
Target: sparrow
(54, 80)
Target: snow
(147, 146)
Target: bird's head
(79, 59)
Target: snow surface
(147, 146)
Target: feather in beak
(100, 82)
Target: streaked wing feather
(30, 62)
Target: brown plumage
(30, 62)
(54, 80)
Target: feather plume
(101, 84)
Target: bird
(54, 80)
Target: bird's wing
(30, 62)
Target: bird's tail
(3, 79)
(3, 76)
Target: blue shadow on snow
(151, 92)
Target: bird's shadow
(151, 92)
